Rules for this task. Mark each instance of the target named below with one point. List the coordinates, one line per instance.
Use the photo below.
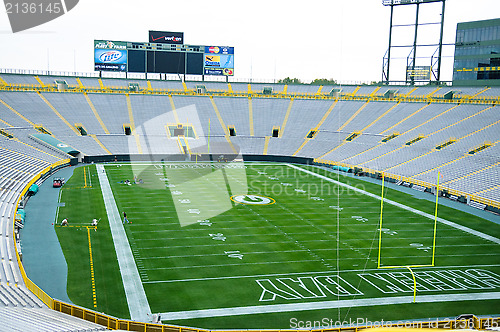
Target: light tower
(413, 72)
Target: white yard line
(272, 308)
(427, 215)
(210, 266)
(309, 273)
(298, 250)
(134, 291)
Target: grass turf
(196, 249)
(81, 205)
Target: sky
(344, 40)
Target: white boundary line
(272, 308)
(138, 304)
(441, 220)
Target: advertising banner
(218, 60)
(227, 61)
(219, 50)
(166, 37)
(212, 61)
(219, 71)
(110, 45)
(110, 60)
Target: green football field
(274, 246)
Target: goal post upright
(380, 224)
(435, 220)
(414, 284)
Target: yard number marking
(234, 254)
(420, 246)
(359, 218)
(218, 236)
(204, 223)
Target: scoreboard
(163, 58)
(418, 73)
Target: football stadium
(160, 192)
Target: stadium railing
(467, 99)
(30, 285)
(128, 325)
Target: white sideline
(441, 220)
(290, 307)
(138, 304)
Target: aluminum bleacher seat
(368, 116)
(491, 92)
(90, 82)
(156, 109)
(43, 319)
(249, 144)
(467, 91)
(166, 85)
(209, 86)
(112, 109)
(346, 89)
(118, 144)
(322, 143)
(235, 112)
(298, 126)
(75, 109)
(268, 113)
(492, 194)
(23, 145)
(51, 80)
(123, 82)
(36, 110)
(240, 87)
(422, 91)
(259, 87)
(19, 79)
(366, 90)
(85, 144)
(282, 146)
(202, 110)
(299, 88)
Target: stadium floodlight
(435, 67)
(405, 2)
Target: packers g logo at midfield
(253, 199)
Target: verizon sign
(166, 37)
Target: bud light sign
(110, 60)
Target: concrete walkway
(43, 259)
(136, 296)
